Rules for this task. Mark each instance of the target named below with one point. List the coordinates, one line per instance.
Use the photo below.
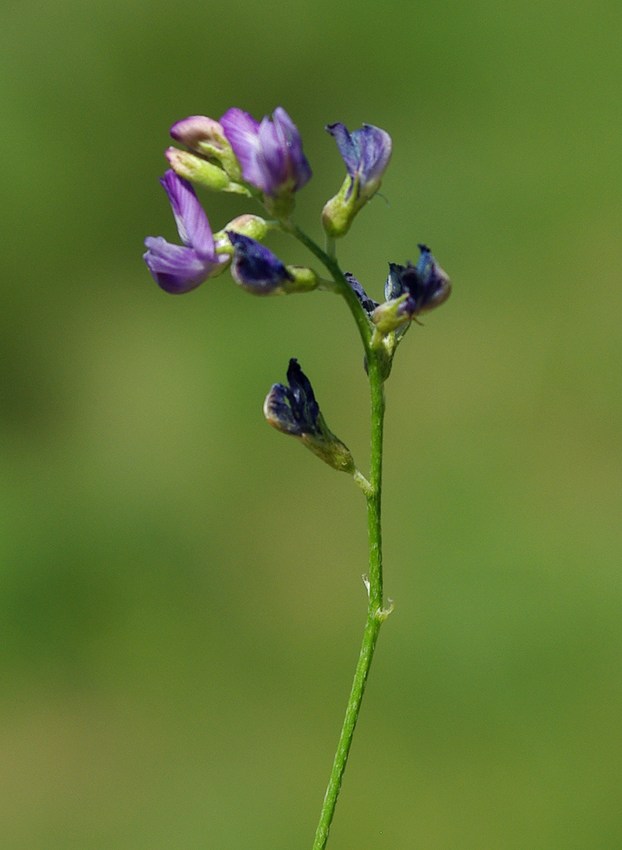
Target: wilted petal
(305, 408)
(368, 304)
(278, 412)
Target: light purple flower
(270, 152)
(180, 268)
(366, 153)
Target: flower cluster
(236, 154)
(264, 161)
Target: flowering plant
(264, 161)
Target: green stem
(343, 287)
(377, 372)
(374, 526)
(375, 612)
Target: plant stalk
(376, 614)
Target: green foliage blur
(180, 586)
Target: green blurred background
(180, 593)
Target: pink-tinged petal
(194, 129)
(192, 223)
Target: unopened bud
(206, 137)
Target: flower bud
(206, 137)
(199, 170)
(303, 280)
(253, 226)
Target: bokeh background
(180, 592)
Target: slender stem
(343, 288)
(370, 636)
(375, 612)
(374, 525)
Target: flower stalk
(264, 161)
(376, 613)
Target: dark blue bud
(255, 267)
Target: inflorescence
(264, 161)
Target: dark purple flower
(366, 153)
(180, 268)
(294, 410)
(270, 152)
(255, 267)
(425, 284)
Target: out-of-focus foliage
(180, 594)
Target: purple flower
(255, 267)
(180, 268)
(270, 152)
(366, 153)
(426, 284)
